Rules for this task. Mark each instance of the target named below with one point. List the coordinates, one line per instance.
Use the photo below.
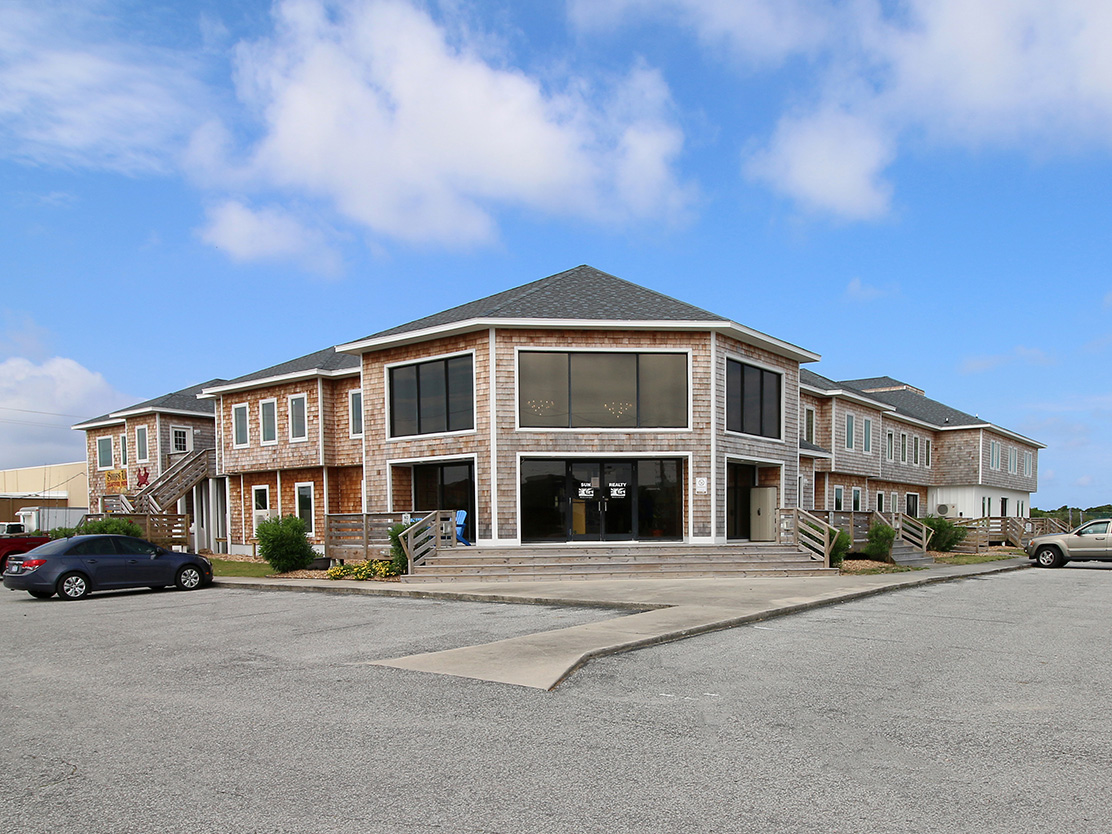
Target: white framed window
(304, 493)
(123, 449)
(903, 447)
(181, 439)
(1013, 460)
(915, 450)
(880, 502)
(260, 504)
(355, 413)
(142, 451)
(857, 500)
(867, 440)
(895, 503)
(299, 418)
(839, 499)
(1028, 461)
(849, 431)
(104, 453)
(926, 453)
(241, 436)
(911, 500)
(268, 422)
(994, 454)
(890, 446)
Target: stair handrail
(912, 530)
(809, 533)
(146, 496)
(427, 534)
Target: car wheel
(73, 586)
(1049, 557)
(189, 578)
(41, 594)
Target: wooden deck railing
(912, 530)
(804, 530)
(166, 529)
(366, 536)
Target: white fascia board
(852, 396)
(741, 332)
(179, 411)
(96, 424)
(807, 453)
(266, 382)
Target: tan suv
(1090, 542)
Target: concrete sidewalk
(657, 611)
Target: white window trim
(289, 416)
(246, 426)
(188, 440)
(918, 503)
(437, 357)
(927, 452)
(1013, 460)
(839, 499)
(809, 419)
(262, 423)
(351, 412)
(890, 448)
(867, 435)
(994, 455)
(1028, 464)
(915, 444)
(851, 430)
(880, 501)
(146, 443)
(111, 453)
(312, 503)
(903, 447)
(123, 450)
(856, 500)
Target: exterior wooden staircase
(616, 561)
(175, 482)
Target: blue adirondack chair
(461, 521)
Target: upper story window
(181, 439)
(240, 437)
(566, 390)
(915, 450)
(299, 423)
(123, 449)
(1028, 460)
(268, 422)
(903, 447)
(890, 446)
(142, 452)
(926, 453)
(1013, 460)
(355, 413)
(994, 455)
(849, 431)
(752, 399)
(809, 425)
(104, 453)
(867, 440)
(431, 397)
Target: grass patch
(223, 567)
(976, 558)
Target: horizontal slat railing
(912, 530)
(804, 530)
(366, 536)
(166, 529)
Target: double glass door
(601, 497)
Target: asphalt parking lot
(975, 705)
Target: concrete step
(573, 573)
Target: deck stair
(175, 481)
(616, 561)
(907, 555)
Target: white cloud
(1026, 74)
(858, 291)
(36, 396)
(370, 108)
(269, 233)
(74, 94)
(22, 336)
(831, 161)
(1019, 354)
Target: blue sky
(916, 189)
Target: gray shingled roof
(323, 360)
(183, 400)
(582, 293)
(807, 446)
(808, 377)
(919, 407)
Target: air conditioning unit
(945, 509)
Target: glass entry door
(601, 500)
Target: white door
(763, 516)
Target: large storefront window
(752, 399)
(432, 397)
(597, 500)
(602, 390)
(446, 486)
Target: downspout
(713, 448)
(492, 395)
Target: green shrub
(947, 535)
(398, 560)
(842, 544)
(114, 526)
(282, 543)
(881, 537)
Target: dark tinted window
(543, 389)
(752, 399)
(662, 390)
(135, 546)
(604, 390)
(432, 397)
(93, 547)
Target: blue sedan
(73, 567)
